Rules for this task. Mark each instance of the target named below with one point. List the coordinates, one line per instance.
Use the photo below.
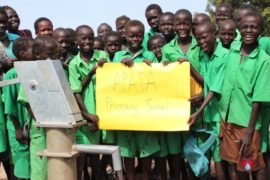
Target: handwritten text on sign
(142, 97)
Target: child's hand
(197, 99)
(245, 143)
(20, 137)
(181, 60)
(166, 62)
(193, 118)
(92, 121)
(127, 61)
(101, 62)
(148, 62)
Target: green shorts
(264, 131)
(20, 155)
(108, 136)
(137, 144)
(3, 138)
(175, 142)
(38, 164)
(162, 140)
(85, 136)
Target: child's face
(182, 25)
(28, 54)
(50, 52)
(3, 24)
(134, 36)
(44, 28)
(64, 42)
(85, 39)
(113, 44)
(240, 14)
(152, 18)
(166, 25)
(227, 34)
(103, 29)
(13, 19)
(155, 46)
(206, 38)
(120, 27)
(222, 14)
(98, 45)
(250, 29)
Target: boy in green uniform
(132, 144)
(184, 46)
(155, 44)
(212, 57)
(166, 26)
(44, 47)
(246, 73)
(120, 24)
(43, 27)
(227, 33)
(82, 69)
(152, 14)
(113, 43)
(17, 115)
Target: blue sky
(69, 13)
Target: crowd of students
(229, 58)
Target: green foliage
(262, 5)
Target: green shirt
(137, 57)
(3, 136)
(244, 83)
(78, 70)
(212, 68)
(264, 43)
(172, 52)
(12, 107)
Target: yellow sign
(146, 98)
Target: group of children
(229, 59)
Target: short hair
(226, 5)
(81, 27)
(3, 12)
(57, 30)
(152, 38)
(99, 39)
(210, 24)
(8, 7)
(153, 6)
(228, 21)
(248, 7)
(104, 24)
(205, 16)
(258, 15)
(186, 12)
(133, 23)
(40, 20)
(113, 33)
(43, 42)
(121, 18)
(167, 14)
(21, 44)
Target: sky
(72, 13)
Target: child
(212, 58)
(82, 69)
(245, 76)
(227, 33)
(184, 46)
(98, 43)
(224, 11)
(44, 47)
(113, 43)
(71, 34)
(102, 29)
(14, 23)
(120, 24)
(17, 115)
(198, 20)
(152, 14)
(155, 45)
(166, 26)
(133, 143)
(43, 27)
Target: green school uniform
(78, 70)
(136, 143)
(3, 136)
(146, 37)
(212, 68)
(244, 83)
(172, 52)
(20, 152)
(264, 43)
(37, 143)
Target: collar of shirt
(138, 53)
(252, 55)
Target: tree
(262, 5)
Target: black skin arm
(193, 118)
(197, 76)
(246, 140)
(91, 119)
(18, 130)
